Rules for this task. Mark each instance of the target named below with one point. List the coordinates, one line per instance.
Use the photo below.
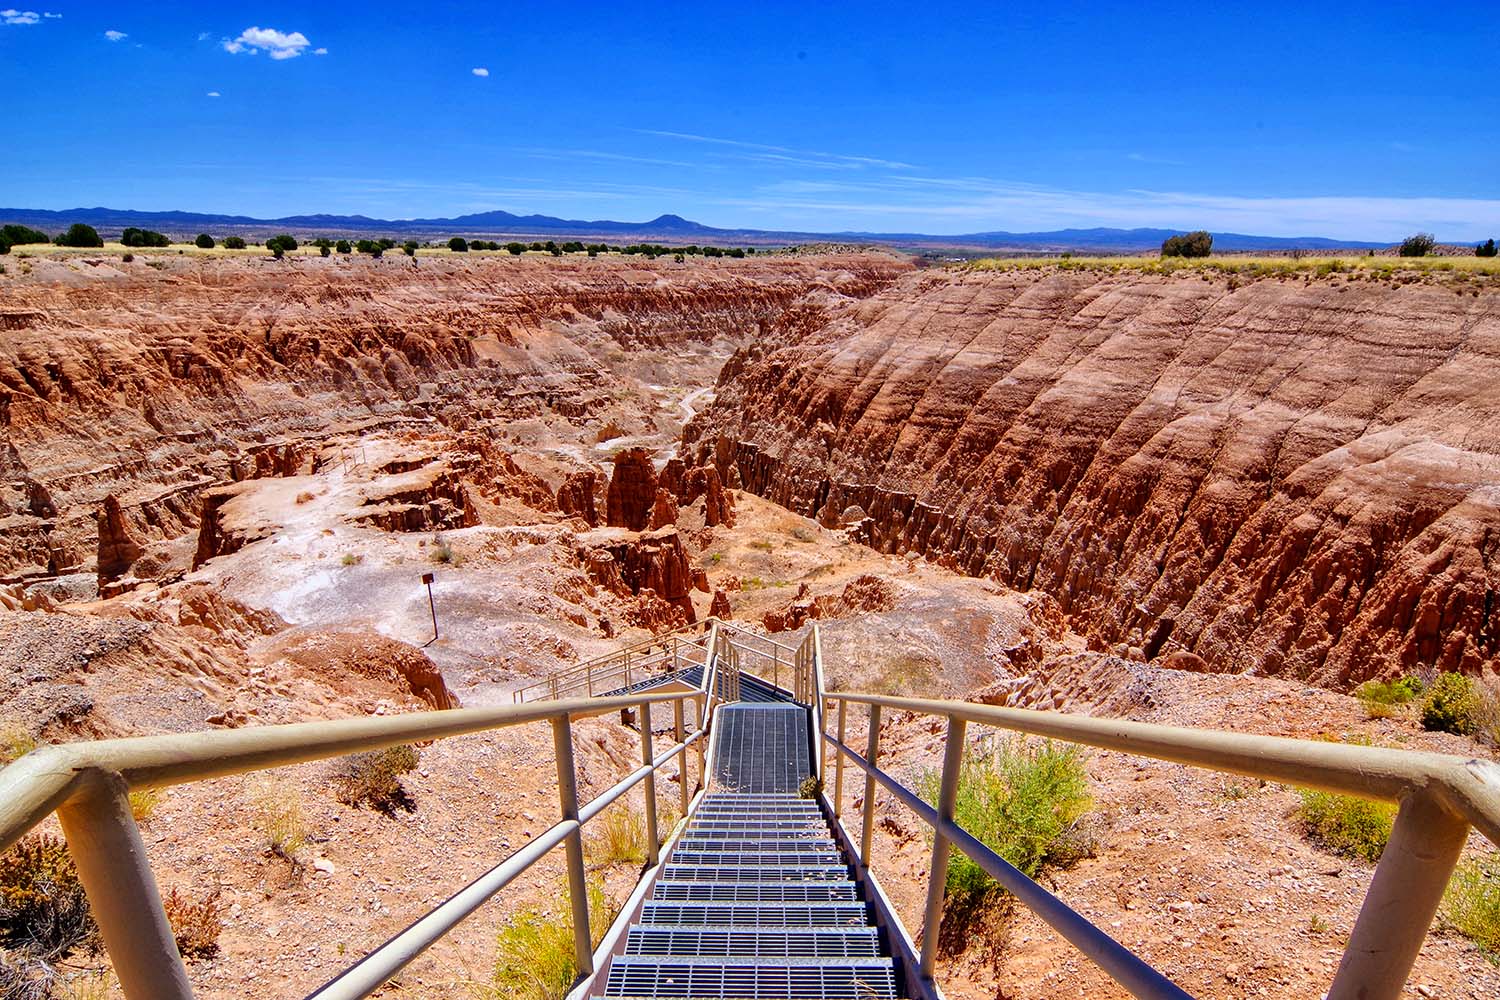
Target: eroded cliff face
(155, 383)
(1284, 477)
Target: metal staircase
(756, 900)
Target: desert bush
(1380, 698)
(458, 245)
(515, 249)
(409, 248)
(1451, 705)
(1418, 245)
(1471, 905)
(809, 787)
(234, 243)
(79, 235)
(43, 908)
(342, 246)
(196, 924)
(133, 237)
(1023, 800)
(143, 803)
(1347, 826)
(324, 251)
(534, 955)
(284, 241)
(15, 741)
(204, 242)
(128, 258)
(15, 235)
(618, 837)
(276, 814)
(1194, 244)
(373, 778)
(1485, 249)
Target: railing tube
(838, 765)
(937, 878)
(1401, 902)
(653, 842)
(567, 793)
(682, 761)
(872, 751)
(106, 846)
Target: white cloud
(480, 71)
(115, 36)
(13, 16)
(277, 44)
(320, 52)
(214, 93)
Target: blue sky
(1283, 119)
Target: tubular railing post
(653, 842)
(872, 749)
(937, 878)
(1403, 897)
(838, 766)
(682, 761)
(106, 846)
(567, 793)
(589, 674)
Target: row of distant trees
(1201, 244)
(81, 235)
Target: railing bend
(1439, 796)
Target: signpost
(427, 579)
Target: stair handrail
(1439, 797)
(87, 785)
(566, 680)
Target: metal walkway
(756, 901)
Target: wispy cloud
(480, 71)
(214, 93)
(798, 156)
(594, 154)
(115, 36)
(1157, 160)
(276, 44)
(12, 16)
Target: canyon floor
(225, 480)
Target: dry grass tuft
(196, 924)
(276, 814)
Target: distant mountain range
(663, 228)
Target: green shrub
(1380, 698)
(458, 245)
(1023, 801)
(284, 242)
(342, 246)
(1472, 903)
(43, 908)
(234, 243)
(1194, 244)
(204, 242)
(618, 837)
(534, 954)
(1485, 249)
(79, 235)
(1346, 826)
(1451, 705)
(133, 237)
(16, 235)
(374, 778)
(1418, 245)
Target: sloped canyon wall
(1291, 476)
(153, 381)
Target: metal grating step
(755, 892)
(743, 859)
(747, 846)
(761, 748)
(753, 915)
(858, 942)
(755, 873)
(787, 979)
